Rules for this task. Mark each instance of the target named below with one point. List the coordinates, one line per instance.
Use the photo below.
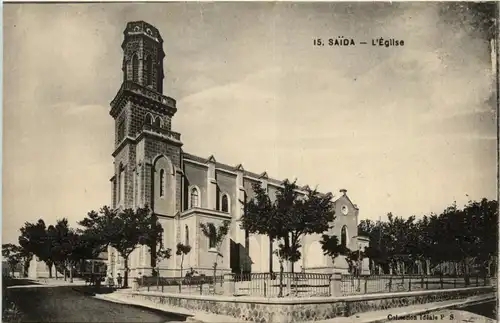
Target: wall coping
(309, 300)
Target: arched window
(187, 236)
(149, 71)
(157, 123)
(194, 201)
(149, 119)
(224, 203)
(162, 182)
(343, 236)
(135, 68)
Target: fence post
(477, 280)
(427, 282)
(336, 284)
(366, 284)
(441, 280)
(265, 289)
(455, 282)
(409, 284)
(157, 282)
(390, 283)
(229, 284)
(422, 282)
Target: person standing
(119, 280)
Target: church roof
(234, 168)
(263, 175)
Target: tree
(160, 255)
(13, 255)
(258, 214)
(216, 235)
(182, 250)
(122, 230)
(71, 247)
(331, 246)
(289, 218)
(302, 215)
(62, 244)
(35, 239)
(152, 237)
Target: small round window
(344, 209)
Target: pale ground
(368, 317)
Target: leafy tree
(217, 235)
(289, 218)
(331, 246)
(163, 253)
(13, 255)
(182, 250)
(152, 237)
(122, 230)
(258, 214)
(311, 214)
(72, 247)
(35, 239)
(464, 237)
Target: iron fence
(289, 284)
(369, 284)
(282, 285)
(202, 285)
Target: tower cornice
(173, 138)
(131, 91)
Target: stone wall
(290, 310)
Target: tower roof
(142, 28)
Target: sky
(406, 130)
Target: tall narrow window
(121, 130)
(135, 69)
(194, 197)
(343, 236)
(148, 120)
(149, 71)
(162, 182)
(122, 184)
(224, 203)
(187, 236)
(139, 185)
(211, 239)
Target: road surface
(64, 304)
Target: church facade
(152, 167)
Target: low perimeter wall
(290, 310)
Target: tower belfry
(143, 55)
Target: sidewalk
(411, 313)
(192, 316)
(50, 282)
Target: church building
(152, 167)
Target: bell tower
(147, 153)
(143, 119)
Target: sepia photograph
(269, 162)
